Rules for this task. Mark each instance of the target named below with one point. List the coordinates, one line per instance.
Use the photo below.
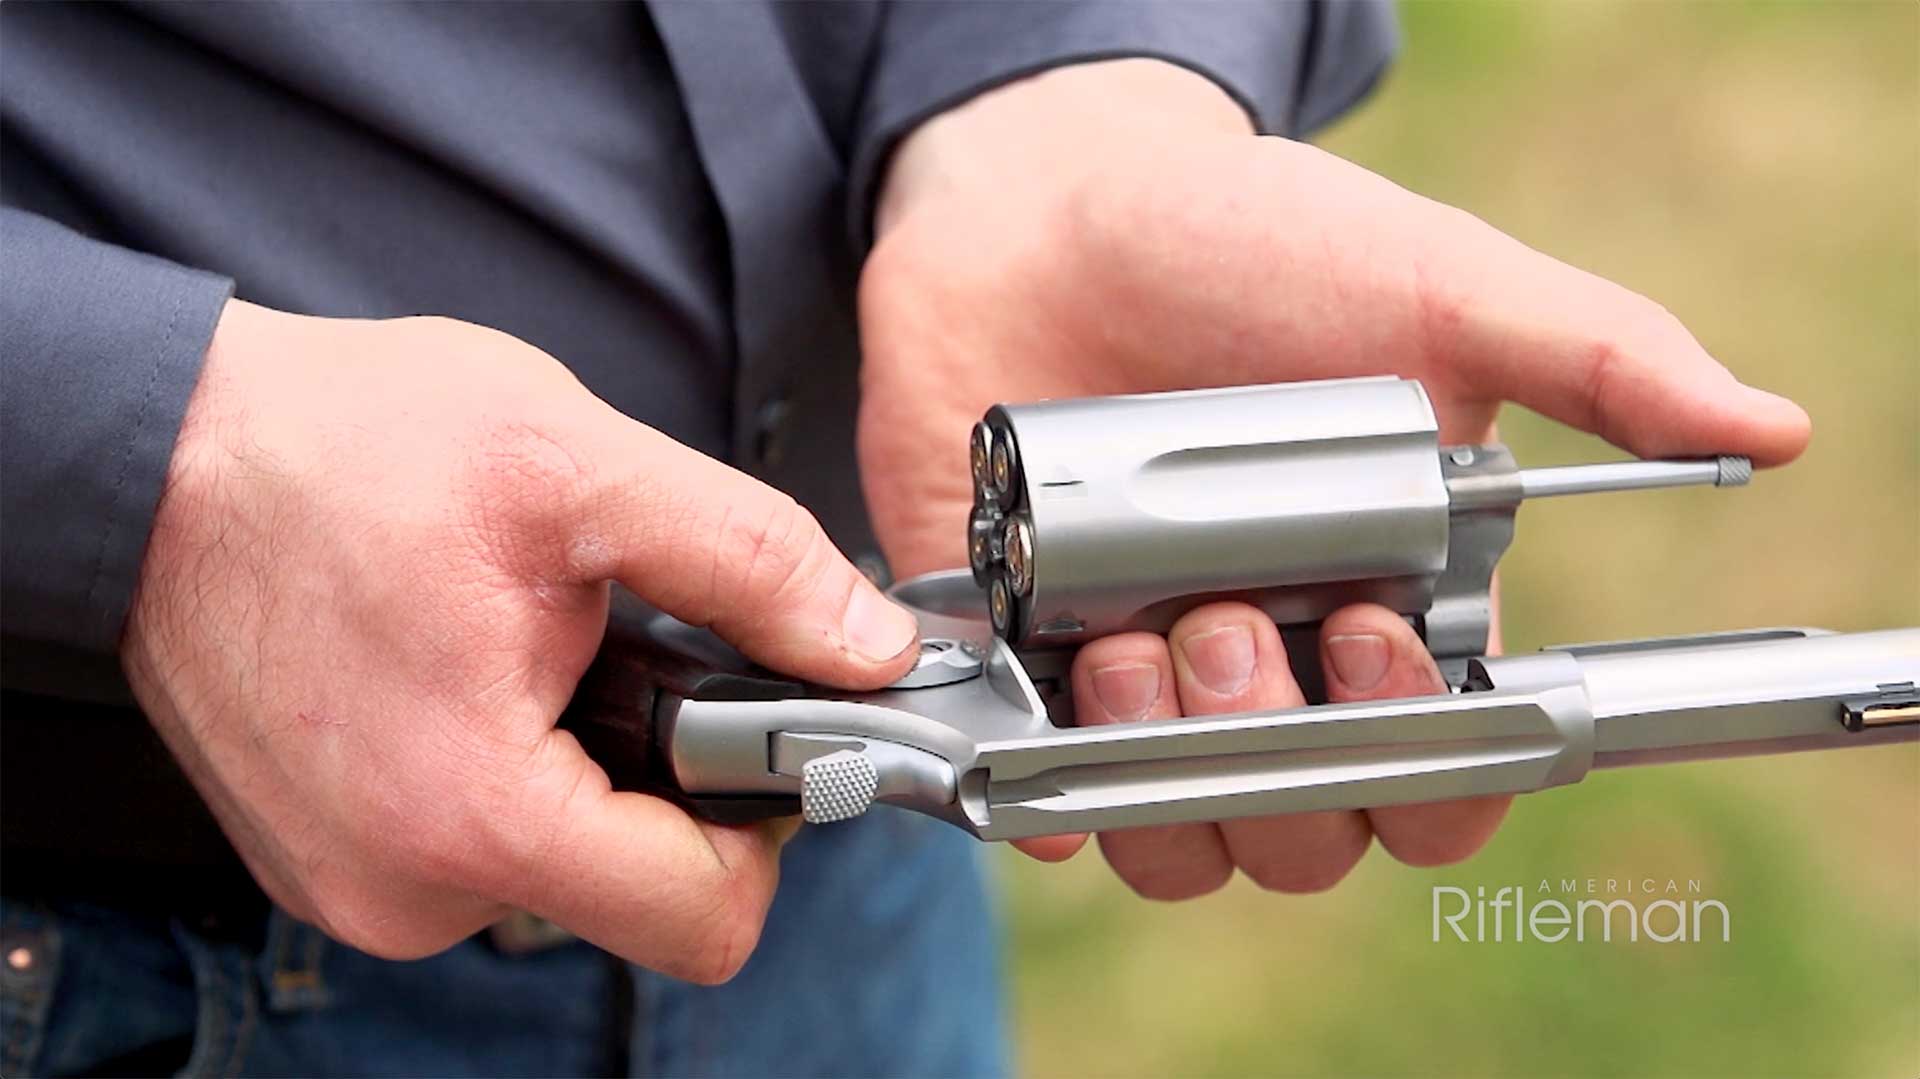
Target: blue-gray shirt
(671, 198)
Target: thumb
(1520, 326)
(715, 547)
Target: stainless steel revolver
(1106, 514)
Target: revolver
(1098, 515)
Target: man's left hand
(1116, 228)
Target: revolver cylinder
(1122, 512)
(1100, 515)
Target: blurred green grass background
(1756, 168)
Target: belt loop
(520, 933)
(293, 961)
(225, 983)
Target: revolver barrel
(1525, 723)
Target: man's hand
(1115, 228)
(378, 570)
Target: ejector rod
(1634, 476)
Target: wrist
(213, 407)
(1059, 122)
(181, 544)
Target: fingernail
(1127, 691)
(876, 627)
(1221, 658)
(1359, 659)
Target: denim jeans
(879, 958)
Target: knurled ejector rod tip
(1634, 476)
(1734, 471)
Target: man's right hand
(379, 568)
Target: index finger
(633, 873)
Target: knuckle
(724, 956)
(498, 351)
(1641, 331)
(1651, 319)
(1604, 362)
(1441, 306)
(1308, 854)
(1442, 223)
(1175, 884)
(776, 550)
(1299, 877)
(427, 855)
(526, 461)
(521, 480)
(730, 931)
(888, 274)
(439, 840)
(366, 921)
(1422, 851)
(433, 327)
(1439, 834)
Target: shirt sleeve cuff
(103, 347)
(1293, 67)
